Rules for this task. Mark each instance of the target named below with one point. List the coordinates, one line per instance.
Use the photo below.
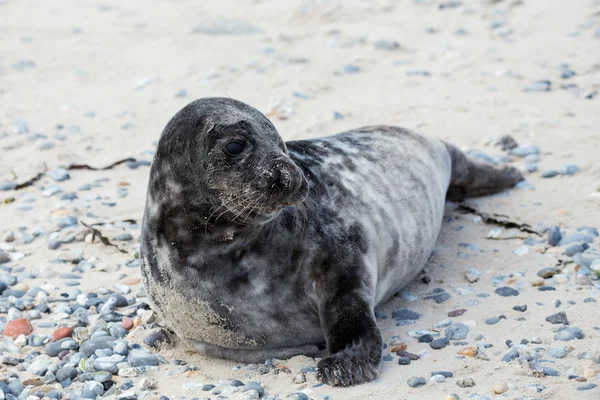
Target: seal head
(233, 158)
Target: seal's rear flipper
(472, 178)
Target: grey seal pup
(256, 248)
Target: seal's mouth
(254, 205)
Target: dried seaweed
(31, 181)
(102, 238)
(497, 219)
(111, 166)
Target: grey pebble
(573, 249)
(522, 308)
(569, 334)
(558, 318)
(554, 236)
(65, 372)
(556, 352)
(120, 347)
(254, 386)
(456, 331)
(405, 314)
(387, 44)
(524, 151)
(416, 381)
(511, 355)
(547, 371)
(15, 387)
(494, 320)
(53, 348)
(102, 376)
(506, 291)
(569, 169)
(7, 185)
(539, 86)
(550, 173)
(92, 389)
(404, 361)
(123, 237)
(58, 174)
(589, 386)
(141, 358)
(350, 68)
(156, 338)
(90, 346)
(445, 374)
(439, 343)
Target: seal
(253, 248)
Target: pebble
(123, 237)
(438, 378)
(404, 361)
(416, 381)
(254, 386)
(387, 44)
(439, 343)
(59, 174)
(499, 388)
(62, 333)
(524, 151)
(466, 382)
(547, 273)
(506, 291)
(19, 326)
(539, 86)
(141, 358)
(550, 173)
(102, 376)
(557, 352)
(569, 334)
(456, 331)
(156, 338)
(65, 372)
(90, 346)
(452, 396)
(7, 185)
(558, 318)
(569, 169)
(554, 236)
(350, 69)
(589, 386)
(405, 314)
(522, 308)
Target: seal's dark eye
(234, 148)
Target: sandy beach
(84, 85)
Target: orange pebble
(62, 333)
(401, 346)
(468, 351)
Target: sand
(125, 61)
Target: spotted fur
(287, 249)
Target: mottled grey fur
(286, 249)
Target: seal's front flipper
(472, 178)
(353, 338)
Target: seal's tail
(472, 178)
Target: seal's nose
(287, 182)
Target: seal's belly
(213, 319)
